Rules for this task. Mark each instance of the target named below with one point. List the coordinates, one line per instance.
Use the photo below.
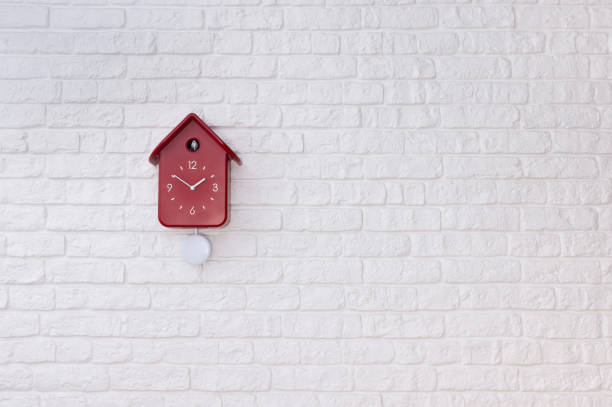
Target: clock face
(192, 185)
(199, 179)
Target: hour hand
(179, 178)
(197, 183)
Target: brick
(409, 325)
(102, 298)
(184, 42)
(390, 142)
(21, 271)
(562, 326)
(390, 378)
(476, 117)
(401, 219)
(362, 44)
(273, 298)
(219, 325)
(16, 378)
(29, 91)
(411, 117)
(480, 219)
(560, 379)
(84, 116)
(90, 325)
(322, 271)
(560, 167)
(245, 271)
(70, 378)
(149, 378)
(19, 325)
(111, 352)
(112, 42)
(488, 379)
(586, 243)
(23, 218)
(376, 244)
(160, 326)
(509, 142)
(238, 67)
(169, 19)
(320, 353)
(466, 68)
(312, 378)
(23, 17)
(600, 16)
(163, 67)
(480, 325)
(233, 42)
(321, 298)
(550, 67)
(82, 17)
(415, 168)
(317, 67)
(87, 67)
(436, 43)
(296, 245)
(244, 19)
(559, 219)
(21, 116)
(321, 325)
(85, 218)
(28, 245)
(83, 271)
(20, 67)
(375, 67)
(322, 219)
(73, 350)
(401, 271)
(483, 167)
(231, 379)
(381, 299)
(478, 17)
(438, 298)
(401, 18)
(291, 42)
(552, 17)
(32, 298)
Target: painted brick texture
(422, 219)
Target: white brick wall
(423, 217)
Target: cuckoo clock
(193, 188)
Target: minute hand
(179, 178)
(197, 183)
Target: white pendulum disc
(196, 249)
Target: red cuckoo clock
(194, 165)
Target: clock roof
(154, 157)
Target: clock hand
(197, 183)
(179, 178)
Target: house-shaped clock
(194, 166)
